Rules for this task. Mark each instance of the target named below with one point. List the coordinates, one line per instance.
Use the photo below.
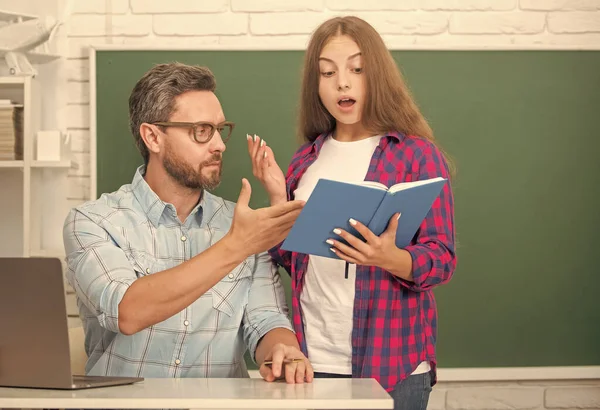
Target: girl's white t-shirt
(327, 298)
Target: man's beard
(189, 177)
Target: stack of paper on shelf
(11, 131)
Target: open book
(333, 203)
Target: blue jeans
(411, 393)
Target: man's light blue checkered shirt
(124, 235)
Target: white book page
(407, 185)
(373, 184)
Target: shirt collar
(318, 142)
(152, 205)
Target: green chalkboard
(522, 129)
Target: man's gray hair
(153, 97)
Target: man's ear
(151, 137)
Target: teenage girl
(359, 122)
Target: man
(171, 280)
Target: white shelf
(53, 164)
(12, 164)
(39, 186)
(40, 164)
(12, 80)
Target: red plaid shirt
(394, 321)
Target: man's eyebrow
(349, 58)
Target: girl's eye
(357, 70)
(327, 73)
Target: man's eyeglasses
(203, 131)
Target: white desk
(208, 393)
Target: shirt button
(183, 239)
(186, 323)
(147, 270)
(230, 276)
(177, 361)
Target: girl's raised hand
(266, 169)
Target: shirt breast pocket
(144, 264)
(230, 294)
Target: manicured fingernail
(262, 143)
(352, 221)
(248, 137)
(332, 250)
(255, 137)
(337, 231)
(398, 216)
(329, 241)
(265, 154)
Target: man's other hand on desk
(286, 362)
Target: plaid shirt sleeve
(281, 257)
(432, 251)
(267, 308)
(98, 270)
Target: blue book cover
(333, 203)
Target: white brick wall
(269, 6)
(574, 22)
(408, 23)
(78, 116)
(468, 5)
(110, 25)
(288, 23)
(80, 140)
(101, 7)
(227, 24)
(562, 5)
(381, 5)
(284, 23)
(179, 6)
(505, 22)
